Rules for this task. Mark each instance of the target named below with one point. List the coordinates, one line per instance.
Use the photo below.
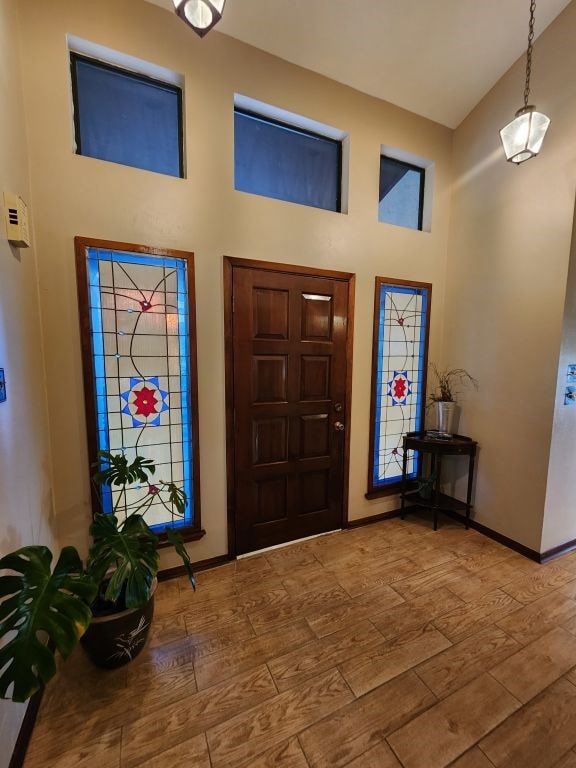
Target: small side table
(458, 445)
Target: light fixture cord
(529, 52)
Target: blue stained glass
(183, 337)
(401, 345)
(142, 401)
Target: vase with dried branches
(449, 383)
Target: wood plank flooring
(388, 646)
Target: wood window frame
(374, 491)
(81, 244)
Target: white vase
(445, 413)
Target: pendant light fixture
(522, 138)
(201, 15)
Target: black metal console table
(457, 445)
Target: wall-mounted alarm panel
(16, 216)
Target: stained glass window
(401, 319)
(138, 310)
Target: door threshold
(287, 544)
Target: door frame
(231, 263)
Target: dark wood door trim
(231, 263)
(290, 269)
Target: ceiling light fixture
(522, 138)
(201, 15)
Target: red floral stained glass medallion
(143, 400)
(399, 388)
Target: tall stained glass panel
(138, 311)
(401, 320)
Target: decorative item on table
(444, 395)
(107, 601)
(436, 434)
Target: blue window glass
(126, 118)
(401, 193)
(400, 355)
(277, 160)
(139, 329)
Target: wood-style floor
(385, 646)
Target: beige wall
(559, 518)
(508, 259)
(81, 196)
(25, 488)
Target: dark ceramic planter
(113, 640)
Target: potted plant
(108, 601)
(444, 394)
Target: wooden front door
(288, 377)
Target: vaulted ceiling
(434, 57)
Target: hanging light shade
(522, 138)
(201, 15)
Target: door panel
(289, 336)
(270, 500)
(313, 491)
(316, 317)
(314, 377)
(269, 440)
(314, 436)
(270, 309)
(269, 380)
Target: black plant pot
(115, 639)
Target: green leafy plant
(123, 542)
(38, 600)
(122, 564)
(447, 381)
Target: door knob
(338, 407)
(338, 426)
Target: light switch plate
(16, 217)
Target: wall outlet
(16, 217)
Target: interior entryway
(288, 370)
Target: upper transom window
(283, 161)
(126, 118)
(401, 193)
